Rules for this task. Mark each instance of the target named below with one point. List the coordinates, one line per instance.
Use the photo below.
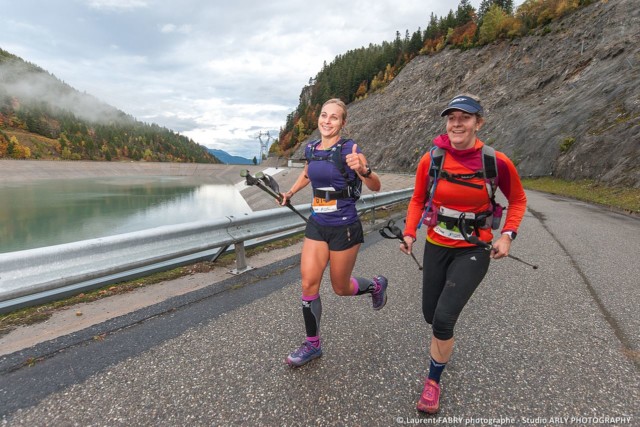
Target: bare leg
(342, 263)
(441, 350)
(315, 256)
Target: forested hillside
(42, 117)
(562, 100)
(361, 72)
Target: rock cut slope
(564, 101)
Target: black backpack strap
(338, 160)
(309, 152)
(437, 159)
(490, 168)
(489, 162)
(435, 168)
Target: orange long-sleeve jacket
(461, 198)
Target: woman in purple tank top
(336, 169)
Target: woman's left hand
(355, 162)
(501, 247)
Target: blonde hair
(340, 104)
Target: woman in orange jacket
(458, 209)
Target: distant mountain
(229, 159)
(41, 117)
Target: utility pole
(264, 145)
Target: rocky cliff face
(563, 102)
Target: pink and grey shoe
(379, 296)
(304, 354)
(430, 398)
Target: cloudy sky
(216, 71)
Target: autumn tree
(536, 13)
(362, 90)
(463, 35)
(492, 24)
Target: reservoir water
(50, 212)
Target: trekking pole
(476, 241)
(397, 233)
(251, 180)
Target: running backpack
(489, 172)
(354, 186)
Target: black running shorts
(339, 238)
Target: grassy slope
(40, 146)
(624, 199)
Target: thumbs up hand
(354, 161)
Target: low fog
(31, 85)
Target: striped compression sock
(312, 312)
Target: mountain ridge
(42, 117)
(564, 101)
(229, 159)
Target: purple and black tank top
(325, 175)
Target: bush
(566, 144)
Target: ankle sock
(435, 370)
(314, 341)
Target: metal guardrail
(36, 276)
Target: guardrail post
(241, 260)
(373, 209)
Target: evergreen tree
(505, 5)
(431, 32)
(415, 44)
(483, 9)
(464, 13)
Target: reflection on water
(45, 213)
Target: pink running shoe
(430, 398)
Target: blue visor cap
(463, 103)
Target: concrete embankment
(26, 170)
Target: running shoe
(304, 354)
(379, 296)
(430, 398)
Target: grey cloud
(36, 87)
(151, 58)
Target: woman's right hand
(285, 198)
(407, 245)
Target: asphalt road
(560, 343)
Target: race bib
(322, 205)
(442, 230)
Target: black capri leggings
(450, 277)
